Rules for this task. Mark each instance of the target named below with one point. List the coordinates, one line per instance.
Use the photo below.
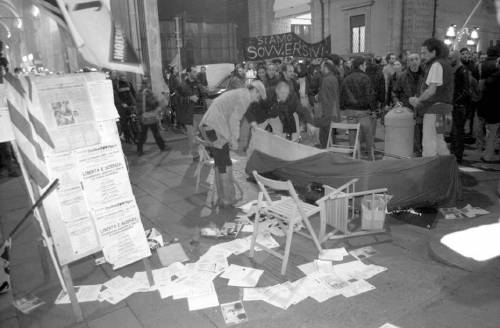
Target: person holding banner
(220, 128)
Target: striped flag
(100, 39)
(51, 8)
(30, 132)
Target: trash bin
(399, 130)
(373, 208)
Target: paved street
(425, 284)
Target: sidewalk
(417, 290)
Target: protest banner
(284, 45)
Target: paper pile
(452, 213)
(28, 303)
(323, 280)
(84, 293)
(242, 276)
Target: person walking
(356, 100)
(436, 99)
(220, 127)
(148, 112)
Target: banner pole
(36, 214)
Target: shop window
(358, 33)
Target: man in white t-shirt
(436, 100)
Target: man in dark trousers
(357, 100)
(461, 101)
(409, 84)
(328, 100)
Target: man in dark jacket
(357, 101)
(491, 101)
(272, 77)
(238, 80)
(283, 103)
(328, 100)
(192, 106)
(461, 101)
(374, 71)
(409, 84)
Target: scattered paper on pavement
(363, 252)
(242, 276)
(172, 253)
(334, 254)
(233, 313)
(28, 304)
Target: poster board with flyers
(93, 208)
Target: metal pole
(178, 42)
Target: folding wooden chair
(345, 149)
(289, 210)
(338, 209)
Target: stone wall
(392, 25)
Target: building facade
(375, 26)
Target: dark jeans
(222, 158)
(458, 131)
(417, 140)
(6, 158)
(156, 135)
(324, 131)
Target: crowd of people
(451, 93)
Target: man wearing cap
(220, 127)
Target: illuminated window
(358, 33)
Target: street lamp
(35, 11)
(451, 32)
(455, 36)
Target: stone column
(153, 45)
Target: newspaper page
(102, 100)
(104, 175)
(121, 233)
(67, 111)
(73, 207)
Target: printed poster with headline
(285, 45)
(112, 204)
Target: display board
(74, 138)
